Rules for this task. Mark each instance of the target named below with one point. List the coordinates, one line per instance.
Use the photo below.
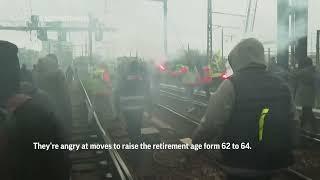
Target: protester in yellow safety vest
(97, 73)
(190, 78)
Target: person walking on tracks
(52, 80)
(254, 110)
(24, 122)
(130, 94)
(306, 93)
(69, 74)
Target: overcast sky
(140, 27)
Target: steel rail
(119, 163)
(203, 94)
(296, 173)
(305, 134)
(170, 109)
(181, 98)
(288, 170)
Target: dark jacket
(131, 89)
(223, 102)
(306, 89)
(55, 85)
(262, 117)
(36, 124)
(38, 95)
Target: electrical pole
(251, 15)
(283, 33)
(222, 42)
(90, 37)
(301, 28)
(311, 43)
(222, 36)
(269, 54)
(86, 47)
(165, 26)
(292, 34)
(81, 50)
(209, 33)
(248, 16)
(317, 48)
(105, 6)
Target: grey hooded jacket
(248, 53)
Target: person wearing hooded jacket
(52, 80)
(28, 87)
(255, 110)
(30, 122)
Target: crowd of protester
(35, 107)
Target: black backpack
(261, 123)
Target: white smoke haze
(140, 28)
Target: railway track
(199, 100)
(92, 164)
(315, 138)
(176, 94)
(111, 164)
(289, 173)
